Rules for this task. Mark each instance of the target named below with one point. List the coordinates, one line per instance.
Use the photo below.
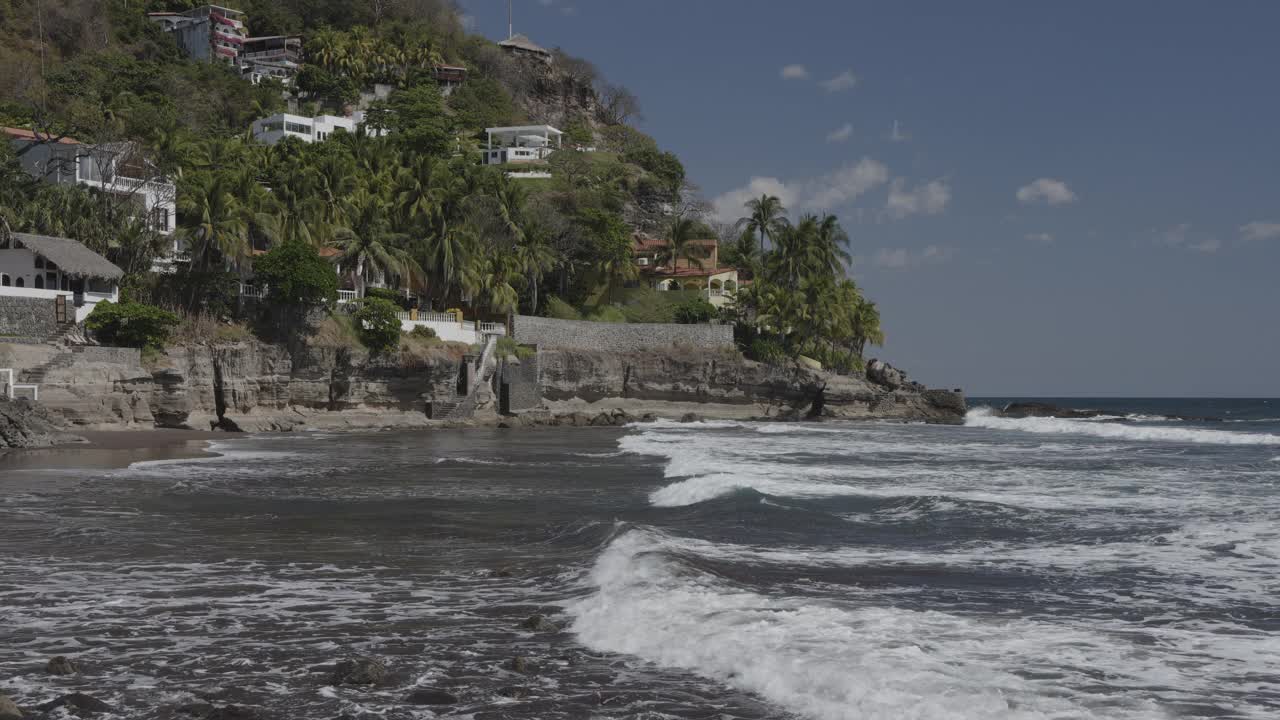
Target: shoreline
(114, 449)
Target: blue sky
(1079, 198)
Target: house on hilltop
(521, 144)
(208, 32)
(714, 282)
(275, 128)
(522, 46)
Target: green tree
(131, 324)
(379, 324)
(296, 275)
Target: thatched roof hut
(72, 258)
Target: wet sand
(113, 449)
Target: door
(60, 309)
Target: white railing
(253, 291)
(10, 387)
(345, 296)
(488, 328)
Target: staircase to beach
(461, 407)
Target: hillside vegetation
(411, 208)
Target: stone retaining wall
(518, 387)
(102, 354)
(27, 316)
(554, 334)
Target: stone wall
(518, 387)
(27, 316)
(103, 354)
(554, 334)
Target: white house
(521, 144)
(273, 129)
(46, 267)
(120, 169)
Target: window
(297, 128)
(19, 282)
(39, 282)
(159, 219)
(4, 280)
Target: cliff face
(255, 386)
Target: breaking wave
(986, 418)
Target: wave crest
(984, 417)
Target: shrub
(131, 324)
(389, 295)
(646, 305)
(607, 314)
(379, 325)
(561, 310)
(297, 275)
(423, 332)
(766, 351)
(692, 312)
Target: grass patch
(337, 331)
(419, 350)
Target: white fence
(10, 388)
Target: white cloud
(824, 192)
(900, 258)
(897, 134)
(930, 198)
(841, 134)
(1260, 231)
(794, 72)
(1175, 236)
(839, 187)
(1048, 190)
(729, 206)
(1043, 238)
(1212, 245)
(841, 82)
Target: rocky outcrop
(724, 383)
(24, 424)
(359, 671)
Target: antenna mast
(511, 31)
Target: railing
(253, 291)
(10, 386)
(348, 296)
(489, 328)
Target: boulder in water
(522, 665)
(78, 703)
(9, 710)
(359, 671)
(61, 665)
(690, 417)
(538, 623)
(431, 696)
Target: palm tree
(367, 248)
(681, 246)
(535, 257)
(866, 327)
(212, 220)
(766, 217)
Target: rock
(24, 424)
(61, 666)
(78, 704)
(690, 417)
(538, 623)
(359, 671)
(883, 374)
(1045, 410)
(9, 709)
(808, 362)
(522, 665)
(205, 711)
(514, 691)
(431, 696)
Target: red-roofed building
(716, 283)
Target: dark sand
(113, 449)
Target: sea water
(1119, 567)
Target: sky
(1044, 199)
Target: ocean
(1119, 567)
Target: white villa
(37, 266)
(273, 129)
(521, 144)
(117, 168)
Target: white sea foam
(984, 418)
(843, 659)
